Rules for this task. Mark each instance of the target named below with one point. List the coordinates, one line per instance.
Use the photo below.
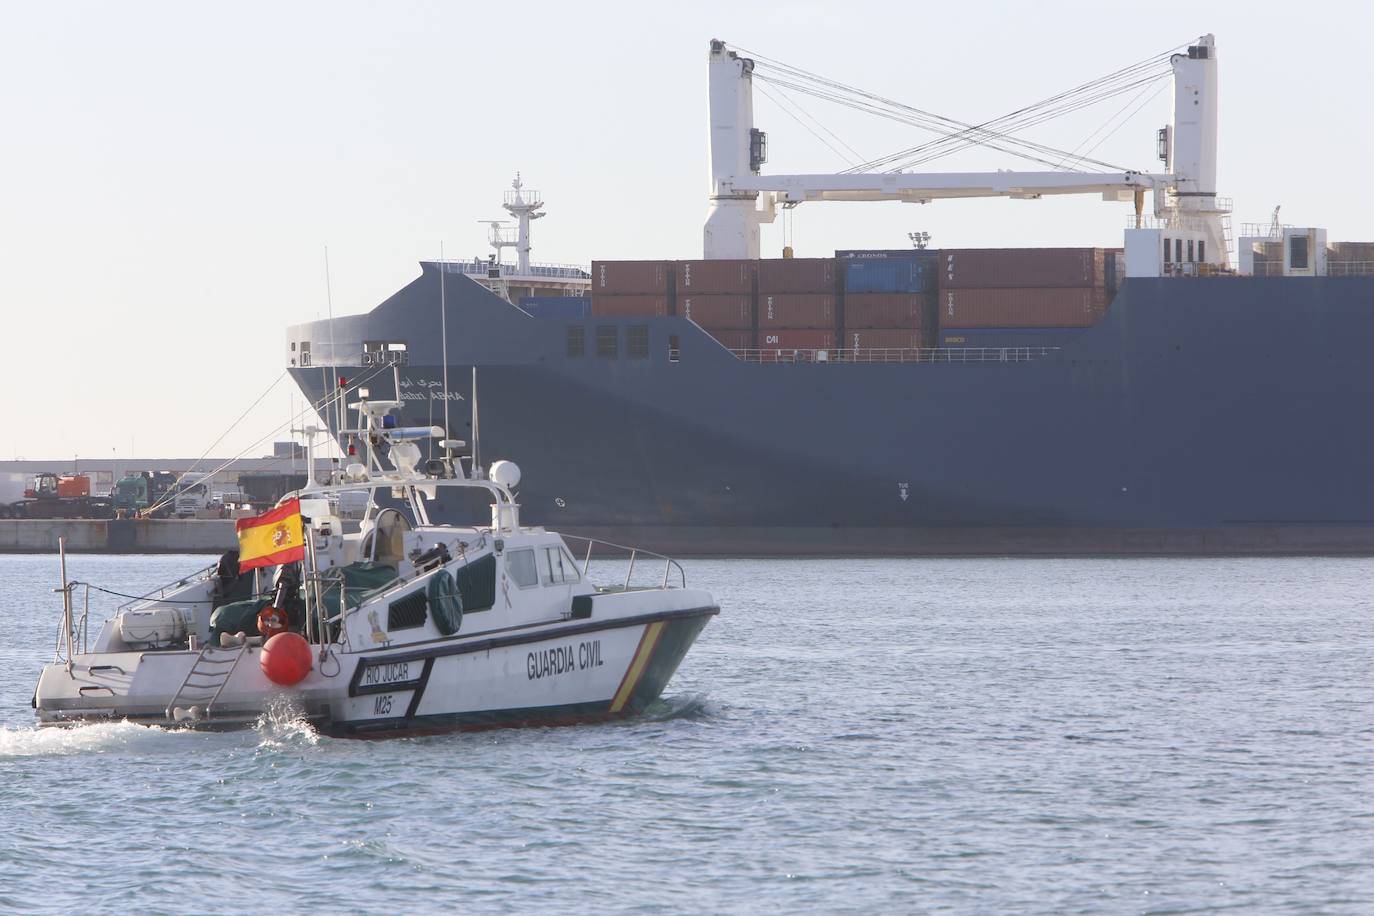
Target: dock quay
(118, 535)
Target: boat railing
(1333, 269)
(163, 591)
(896, 355)
(480, 268)
(635, 554)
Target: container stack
(627, 289)
(888, 299)
(1007, 297)
(719, 296)
(797, 303)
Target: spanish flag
(272, 538)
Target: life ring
(271, 621)
(445, 603)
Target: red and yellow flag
(272, 538)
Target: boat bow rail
(634, 553)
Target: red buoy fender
(286, 659)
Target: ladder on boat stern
(206, 679)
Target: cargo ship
(1164, 397)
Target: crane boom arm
(917, 187)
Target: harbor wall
(118, 535)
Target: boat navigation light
(504, 473)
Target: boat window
(577, 340)
(1178, 250)
(1190, 249)
(520, 566)
(1201, 250)
(557, 566)
(607, 341)
(674, 353)
(637, 341)
(1167, 252)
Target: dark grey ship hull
(1200, 416)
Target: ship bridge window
(637, 341)
(305, 353)
(1201, 250)
(520, 566)
(1168, 252)
(385, 353)
(557, 566)
(1178, 250)
(1297, 252)
(577, 340)
(1190, 249)
(607, 341)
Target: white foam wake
(93, 738)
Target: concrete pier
(118, 535)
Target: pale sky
(171, 173)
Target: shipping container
(889, 310)
(557, 306)
(1021, 308)
(923, 254)
(734, 340)
(796, 339)
(717, 312)
(1007, 268)
(797, 275)
(716, 276)
(1008, 337)
(797, 310)
(887, 275)
(630, 277)
(883, 339)
(630, 306)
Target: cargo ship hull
(1198, 416)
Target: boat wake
(94, 738)
(690, 706)
(283, 725)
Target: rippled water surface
(973, 735)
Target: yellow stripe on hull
(647, 642)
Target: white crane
(742, 197)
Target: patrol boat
(404, 627)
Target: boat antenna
(333, 353)
(443, 345)
(476, 436)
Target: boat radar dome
(505, 473)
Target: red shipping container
(888, 310)
(715, 276)
(796, 339)
(630, 277)
(796, 310)
(717, 312)
(797, 275)
(629, 306)
(1003, 268)
(1021, 308)
(735, 340)
(883, 339)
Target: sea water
(1124, 735)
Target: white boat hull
(564, 672)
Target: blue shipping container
(557, 306)
(928, 254)
(1008, 337)
(887, 275)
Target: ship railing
(1333, 269)
(480, 268)
(635, 554)
(896, 355)
(163, 591)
